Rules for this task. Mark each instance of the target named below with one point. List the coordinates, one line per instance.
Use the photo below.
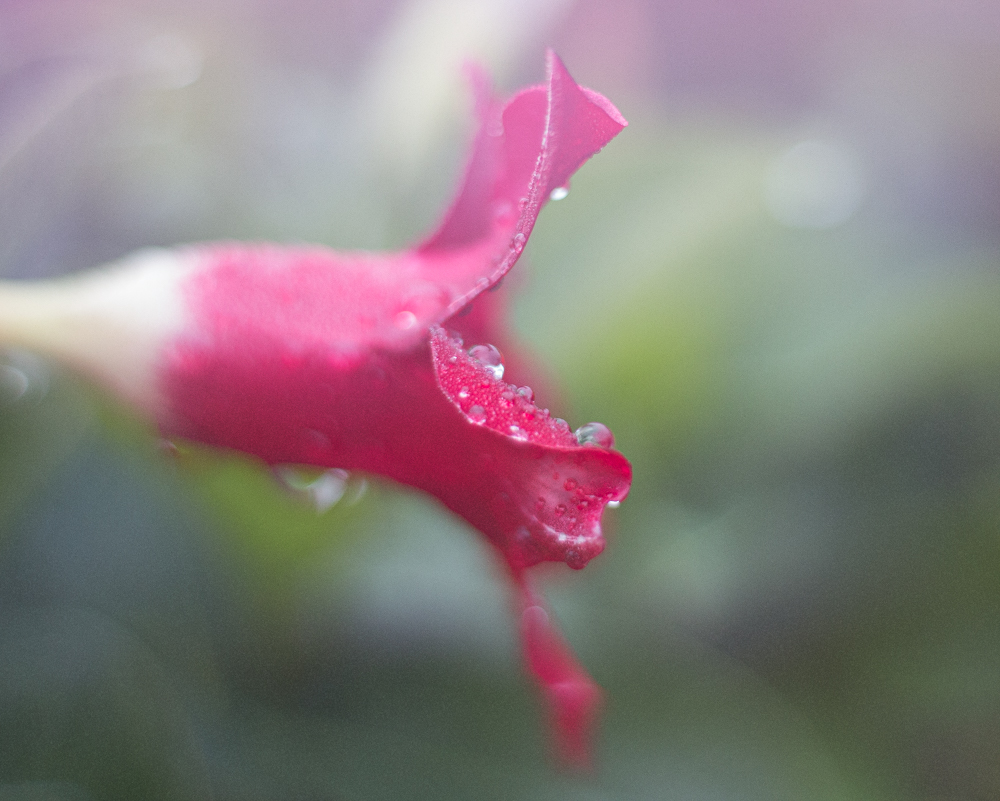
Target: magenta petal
(520, 154)
(307, 355)
(571, 695)
(542, 494)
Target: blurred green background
(779, 287)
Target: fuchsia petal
(545, 493)
(572, 696)
(306, 355)
(520, 155)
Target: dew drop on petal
(489, 356)
(518, 433)
(463, 393)
(527, 394)
(517, 241)
(559, 193)
(405, 320)
(614, 504)
(477, 414)
(595, 434)
(575, 559)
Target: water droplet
(14, 383)
(322, 491)
(522, 204)
(614, 504)
(405, 320)
(497, 285)
(575, 559)
(23, 377)
(489, 356)
(477, 414)
(595, 434)
(517, 241)
(463, 393)
(560, 423)
(570, 484)
(452, 359)
(527, 394)
(518, 433)
(560, 510)
(559, 193)
(456, 338)
(328, 489)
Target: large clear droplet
(321, 491)
(595, 434)
(477, 414)
(559, 193)
(405, 320)
(489, 356)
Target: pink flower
(356, 360)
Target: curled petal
(543, 493)
(521, 153)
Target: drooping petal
(571, 695)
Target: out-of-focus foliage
(779, 287)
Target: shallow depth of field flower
(304, 355)
(778, 288)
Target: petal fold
(522, 151)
